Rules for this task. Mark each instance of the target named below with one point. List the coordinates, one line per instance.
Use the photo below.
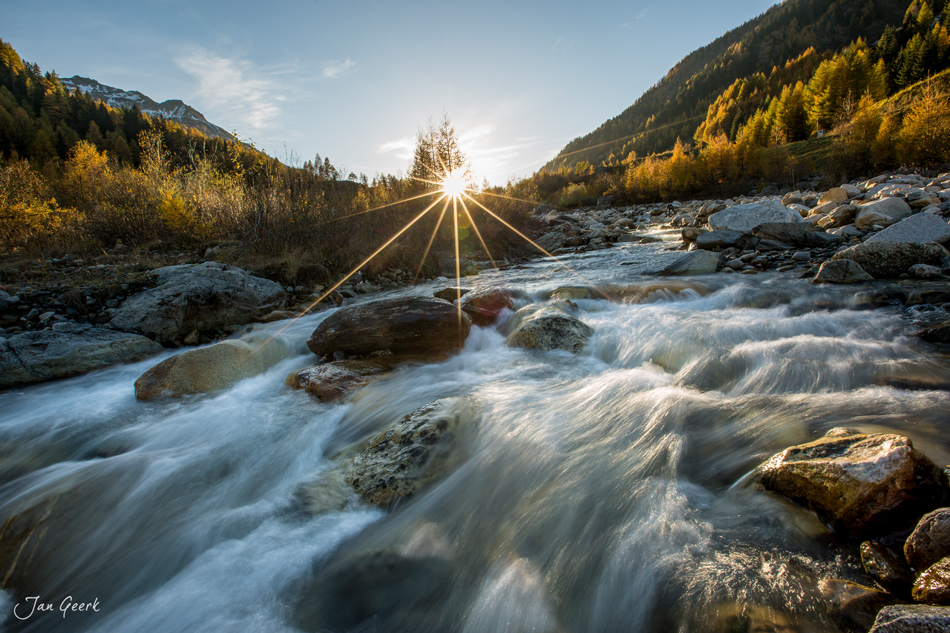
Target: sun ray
(478, 233)
(391, 204)
(435, 232)
(458, 266)
(535, 244)
(496, 195)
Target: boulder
(69, 350)
(210, 368)
(208, 296)
(717, 240)
(839, 217)
(930, 540)
(331, 381)
(854, 606)
(883, 212)
(696, 262)
(547, 328)
(745, 217)
(858, 483)
(939, 333)
(888, 260)
(483, 306)
(887, 567)
(836, 194)
(450, 294)
(690, 234)
(918, 228)
(933, 585)
(405, 325)
(551, 241)
(410, 455)
(924, 271)
(912, 618)
(801, 234)
(842, 271)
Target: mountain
(173, 109)
(677, 104)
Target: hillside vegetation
(765, 102)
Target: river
(597, 492)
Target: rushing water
(598, 492)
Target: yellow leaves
(925, 135)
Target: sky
(355, 81)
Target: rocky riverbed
(705, 416)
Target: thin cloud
(232, 88)
(401, 148)
(334, 69)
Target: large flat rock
(888, 260)
(745, 217)
(75, 349)
(918, 228)
(205, 297)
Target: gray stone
(547, 328)
(717, 240)
(697, 262)
(912, 618)
(839, 217)
(205, 297)
(690, 234)
(801, 256)
(408, 457)
(841, 272)
(36, 356)
(883, 212)
(800, 234)
(888, 260)
(745, 217)
(918, 228)
(837, 194)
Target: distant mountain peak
(172, 109)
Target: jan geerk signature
(32, 605)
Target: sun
(453, 185)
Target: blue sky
(355, 80)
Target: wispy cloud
(234, 89)
(637, 17)
(334, 69)
(400, 148)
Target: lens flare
(453, 185)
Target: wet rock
(883, 212)
(483, 306)
(331, 381)
(858, 483)
(933, 585)
(69, 350)
(912, 618)
(930, 540)
(743, 618)
(270, 317)
(889, 260)
(210, 368)
(381, 590)
(697, 262)
(551, 241)
(936, 334)
(854, 606)
(745, 217)
(918, 228)
(842, 271)
(887, 567)
(410, 455)
(405, 325)
(450, 294)
(924, 271)
(547, 328)
(801, 234)
(717, 240)
(209, 296)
